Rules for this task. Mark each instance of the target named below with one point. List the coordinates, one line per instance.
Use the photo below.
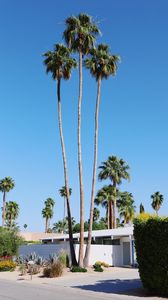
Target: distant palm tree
(96, 214)
(25, 226)
(101, 64)
(47, 212)
(126, 207)
(105, 196)
(12, 212)
(63, 194)
(157, 200)
(6, 185)
(114, 169)
(62, 226)
(60, 64)
(80, 36)
(141, 209)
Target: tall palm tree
(105, 197)
(6, 184)
(141, 209)
(80, 36)
(157, 201)
(60, 65)
(12, 212)
(126, 207)
(63, 194)
(114, 169)
(101, 64)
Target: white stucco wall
(44, 250)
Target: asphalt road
(119, 286)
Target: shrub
(63, 258)
(9, 242)
(102, 263)
(54, 270)
(78, 269)
(7, 265)
(97, 268)
(151, 244)
(22, 269)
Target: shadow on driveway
(131, 287)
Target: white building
(113, 246)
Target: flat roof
(118, 232)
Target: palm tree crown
(80, 33)
(115, 169)
(63, 193)
(101, 63)
(6, 184)
(126, 206)
(12, 212)
(157, 200)
(59, 62)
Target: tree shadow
(131, 287)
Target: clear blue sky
(133, 110)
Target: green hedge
(9, 242)
(151, 244)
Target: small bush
(63, 258)
(7, 265)
(97, 268)
(151, 244)
(54, 270)
(102, 263)
(78, 269)
(22, 269)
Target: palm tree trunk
(110, 214)
(88, 247)
(72, 250)
(46, 225)
(114, 208)
(81, 246)
(4, 209)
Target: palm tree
(6, 185)
(47, 212)
(12, 212)
(101, 64)
(96, 214)
(141, 209)
(60, 64)
(126, 207)
(25, 226)
(80, 36)
(157, 200)
(63, 194)
(105, 196)
(62, 225)
(114, 169)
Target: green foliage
(54, 270)
(77, 269)
(7, 265)
(63, 258)
(102, 263)
(97, 267)
(151, 243)
(9, 242)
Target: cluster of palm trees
(80, 37)
(10, 210)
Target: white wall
(44, 249)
